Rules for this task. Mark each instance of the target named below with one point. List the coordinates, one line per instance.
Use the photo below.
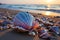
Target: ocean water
(53, 8)
(24, 6)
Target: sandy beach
(14, 12)
(9, 12)
(6, 11)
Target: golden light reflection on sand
(48, 13)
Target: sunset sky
(30, 1)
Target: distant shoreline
(14, 11)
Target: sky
(30, 1)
